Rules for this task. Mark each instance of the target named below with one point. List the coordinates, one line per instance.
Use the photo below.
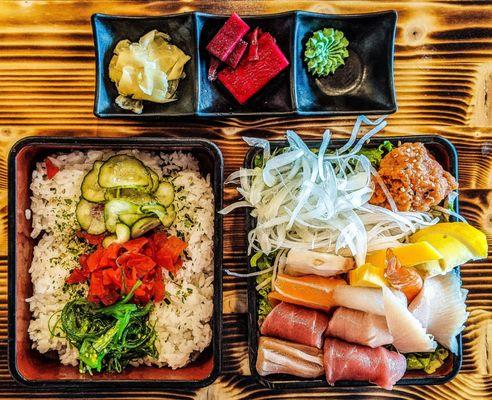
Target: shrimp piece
(405, 279)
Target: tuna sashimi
(251, 76)
(363, 298)
(280, 357)
(346, 361)
(297, 324)
(440, 307)
(226, 39)
(359, 327)
(237, 54)
(408, 334)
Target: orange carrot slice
(309, 291)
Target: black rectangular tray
(445, 153)
(364, 85)
(22, 159)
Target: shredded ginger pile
(306, 198)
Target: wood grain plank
(443, 74)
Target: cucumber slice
(122, 171)
(130, 219)
(142, 226)
(91, 191)
(170, 216)
(155, 180)
(90, 217)
(165, 215)
(114, 208)
(122, 233)
(165, 193)
(132, 195)
(109, 240)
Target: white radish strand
(319, 200)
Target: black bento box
(34, 369)
(364, 85)
(445, 153)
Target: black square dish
(43, 371)
(445, 153)
(109, 30)
(365, 83)
(275, 98)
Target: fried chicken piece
(415, 180)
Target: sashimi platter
(354, 253)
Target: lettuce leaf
(429, 362)
(262, 261)
(375, 155)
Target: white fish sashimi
(441, 307)
(408, 334)
(365, 299)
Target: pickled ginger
(147, 70)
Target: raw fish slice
(441, 306)
(237, 54)
(297, 324)
(213, 70)
(226, 39)
(310, 291)
(365, 299)
(408, 334)
(280, 357)
(305, 262)
(249, 77)
(359, 327)
(346, 361)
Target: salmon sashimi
(297, 324)
(347, 361)
(405, 279)
(281, 357)
(359, 327)
(309, 291)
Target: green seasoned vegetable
(91, 191)
(429, 362)
(90, 217)
(108, 338)
(262, 262)
(124, 171)
(375, 155)
(325, 52)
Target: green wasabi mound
(325, 52)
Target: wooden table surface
(443, 74)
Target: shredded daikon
(305, 199)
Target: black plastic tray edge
(111, 143)
(296, 383)
(295, 111)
